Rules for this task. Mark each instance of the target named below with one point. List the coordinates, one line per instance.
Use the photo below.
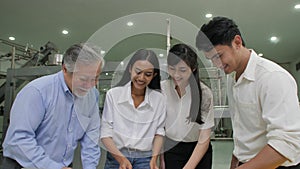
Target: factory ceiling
(122, 26)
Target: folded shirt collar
(126, 96)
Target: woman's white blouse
(132, 127)
(178, 126)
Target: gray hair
(83, 53)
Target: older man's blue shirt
(47, 122)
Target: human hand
(125, 163)
(66, 168)
(153, 164)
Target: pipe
(13, 57)
(168, 35)
(18, 46)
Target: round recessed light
(274, 39)
(102, 52)
(65, 32)
(11, 38)
(209, 15)
(260, 54)
(129, 23)
(106, 74)
(161, 55)
(297, 6)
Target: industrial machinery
(25, 64)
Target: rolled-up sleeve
(161, 120)
(207, 111)
(281, 114)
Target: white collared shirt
(265, 110)
(178, 126)
(132, 127)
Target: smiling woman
(142, 72)
(190, 115)
(134, 114)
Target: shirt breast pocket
(249, 115)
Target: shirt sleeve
(207, 111)
(26, 115)
(107, 117)
(280, 110)
(161, 120)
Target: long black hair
(143, 54)
(185, 53)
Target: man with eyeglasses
(54, 113)
(262, 99)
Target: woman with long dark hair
(189, 113)
(134, 115)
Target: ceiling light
(209, 15)
(65, 32)
(11, 38)
(161, 55)
(260, 54)
(129, 23)
(297, 6)
(106, 74)
(274, 39)
(102, 52)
